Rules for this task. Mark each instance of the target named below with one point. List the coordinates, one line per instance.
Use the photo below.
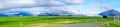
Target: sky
(74, 7)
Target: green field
(28, 20)
(111, 24)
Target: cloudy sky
(36, 7)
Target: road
(95, 24)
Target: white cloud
(48, 3)
(53, 6)
(8, 4)
(72, 2)
(108, 6)
(19, 3)
(51, 10)
(1, 6)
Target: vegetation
(28, 20)
(111, 24)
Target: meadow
(111, 24)
(23, 21)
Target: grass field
(28, 20)
(111, 24)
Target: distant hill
(1, 14)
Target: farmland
(111, 24)
(54, 20)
